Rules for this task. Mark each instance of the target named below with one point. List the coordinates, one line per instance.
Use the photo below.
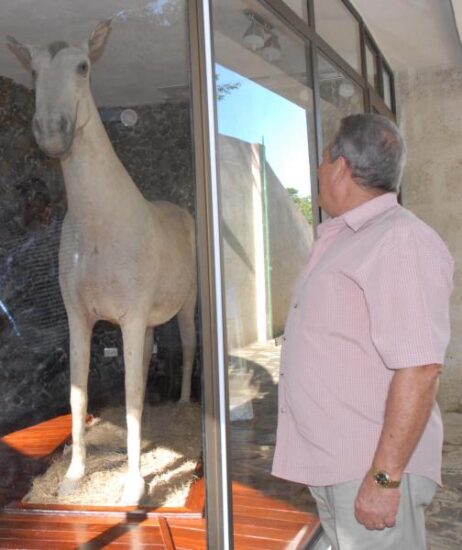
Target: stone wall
(430, 103)
(34, 373)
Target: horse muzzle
(54, 134)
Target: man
(364, 345)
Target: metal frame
(215, 390)
(214, 374)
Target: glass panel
(387, 88)
(371, 65)
(300, 7)
(339, 28)
(340, 97)
(267, 163)
(83, 246)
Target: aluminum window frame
(216, 446)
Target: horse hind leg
(187, 328)
(80, 339)
(138, 343)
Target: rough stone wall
(34, 372)
(430, 103)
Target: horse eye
(34, 75)
(82, 68)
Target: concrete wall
(430, 103)
(290, 238)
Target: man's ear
(341, 169)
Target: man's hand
(376, 507)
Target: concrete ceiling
(457, 9)
(414, 33)
(147, 57)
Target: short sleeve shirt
(373, 297)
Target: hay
(171, 447)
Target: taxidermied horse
(121, 258)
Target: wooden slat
(166, 534)
(260, 520)
(42, 439)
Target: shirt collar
(360, 215)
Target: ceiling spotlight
(128, 117)
(346, 89)
(254, 36)
(272, 49)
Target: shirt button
(284, 338)
(295, 306)
(283, 410)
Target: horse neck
(97, 185)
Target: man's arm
(409, 404)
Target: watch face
(382, 479)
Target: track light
(254, 36)
(260, 36)
(272, 49)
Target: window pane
(387, 88)
(83, 246)
(339, 28)
(299, 7)
(339, 97)
(371, 65)
(267, 161)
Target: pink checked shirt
(373, 297)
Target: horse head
(61, 75)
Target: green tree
(303, 204)
(224, 89)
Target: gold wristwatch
(383, 479)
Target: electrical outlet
(111, 352)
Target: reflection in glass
(387, 88)
(339, 97)
(78, 223)
(339, 28)
(299, 7)
(371, 65)
(266, 166)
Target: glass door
(267, 170)
(98, 278)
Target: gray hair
(374, 149)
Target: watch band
(383, 480)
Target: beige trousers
(336, 512)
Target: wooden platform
(260, 521)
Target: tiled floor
(254, 439)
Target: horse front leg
(137, 351)
(187, 328)
(80, 339)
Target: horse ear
(98, 39)
(22, 51)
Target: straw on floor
(171, 448)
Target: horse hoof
(68, 486)
(134, 491)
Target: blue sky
(253, 112)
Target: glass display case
(158, 199)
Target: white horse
(122, 259)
